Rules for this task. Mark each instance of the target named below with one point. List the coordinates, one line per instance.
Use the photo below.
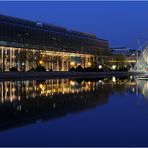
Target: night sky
(122, 23)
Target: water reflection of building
(138, 87)
(25, 44)
(142, 88)
(11, 91)
(23, 102)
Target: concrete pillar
(18, 60)
(2, 92)
(33, 58)
(57, 68)
(2, 59)
(62, 63)
(10, 58)
(52, 63)
(26, 62)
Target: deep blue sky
(122, 23)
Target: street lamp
(41, 62)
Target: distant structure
(25, 44)
(142, 62)
(123, 50)
(124, 57)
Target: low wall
(60, 74)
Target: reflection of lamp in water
(41, 86)
(72, 83)
(113, 79)
(89, 83)
(100, 66)
(145, 90)
(13, 89)
(113, 67)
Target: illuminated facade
(26, 44)
(123, 57)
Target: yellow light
(114, 67)
(89, 64)
(40, 86)
(64, 89)
(72, 63)
(72, 83)
(41, 62)
(89, 83)
(113, 79)
(13, 89)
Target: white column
(62, 63)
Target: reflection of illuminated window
(113, 67)
(113, 79)
(100, 66)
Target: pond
(110, 111)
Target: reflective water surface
(74, 112)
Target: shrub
(13, 69)
(123, 69)
(101, 70)
(79, 69)
(40, 68)
(88, 69)
(72, 69)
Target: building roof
(46, 26)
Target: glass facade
(24, 44)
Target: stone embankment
(60, 74)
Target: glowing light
(89, 64)
(89, 83)
(113, 66)
(72, 63)
(13, 89)
(41, 62)
(133, 90)
(72, 83)
(100, 66)
(41, 86)
(113, 79)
